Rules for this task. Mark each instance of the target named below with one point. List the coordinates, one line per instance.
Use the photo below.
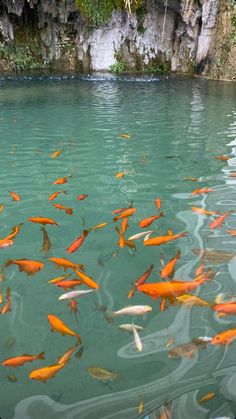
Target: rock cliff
(185, 36)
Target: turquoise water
(176, 127)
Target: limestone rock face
(181, 33)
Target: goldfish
(14, 231)
(131, 292)
(203, 211)
(187, 349)
(129, 327)
(69, 284)
(121, 241)
(124, 224)
(59, 326)
(55, 194)
(169, 269)
(62, 180)
(141, 407)
(15, 196)
(142, 234)
(66, 264)
(119, 210)
(124, 135)
(79, 353)
(45, 373)
(17, 361)
(222, 157)
(127, 213)
(97, 227)
(202, 191)
(119, 175)
(231, 232)
(43, 220)
(56, 153)
(148, 221)
(2, 206)
(193, 179)
(227, 309)
(7, 307)
(101, 374)
(233, 174)
(87, 280)
(132, 311)
(12, 378)
(6, 243)
(137, 340)
(130, 244)
(192, 300)
(1, 298)
(77, 242)
(74, 294)
(67, 355)
(73, 308)
(30, 267)
(200, 269)
(219, 220)
(59, 278)
(158, 240)
(68, 211)
(144, 276)
(168, 290)
(157, 202)
(224, 338)
(214, 255)
(46, 242)
(208, 396)
(82, 197)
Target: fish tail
(115, 219)
(85, 232)
(8, 263)
(161, 214)
(79, 340)
(69, 211)
(41, 355)
(178, 254)
(110, 317)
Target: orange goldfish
(169, 269)
(45, 373)
(15, 196)
(55, 194)
(7, 306)
(203, 211)
(208, 396)
(30, 267)
(124, 224)
(222, 157)
(231, 232)
(227, 309)
(97, 227)
(127, 213)
(233, 174)
(121, 241)
(17, 361)
(131, 292)
(66, 264)
(157, 202)
(219, 220)
(200, 269)
(119, 175)
(157, 241)
(67, 355)
(68, 211)
(148, 221)
(59, 326)
(56, 153)
(124, 135)
(43, 220)
(14, 231)
(193, 179)
(87, 280)
(77, 242)
(1, 298)
(62, 180)
(73, 307)
(202, 191)
(58, 279)
(6, 243)
(68, 284)
(224, 338)
(169, 290)
(143, 277)
(117, 211)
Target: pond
(155, 133)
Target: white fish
(137, 340)
(132, 311)
(142, 234)
(147, 237)
(129, 327)
(74, 294)
(220, 298)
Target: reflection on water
(176, 127)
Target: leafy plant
(160, 69)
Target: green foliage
(98, 12)
(20, 58)
(120, 66)
(160, 69)
(233, 23)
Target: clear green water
(177, 126)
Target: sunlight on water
(176, 127)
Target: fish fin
(85, 232)
(41, 355)
(161, 214)
(8, 263)
(178, 254)
(221, 314)
(79, 341)
(114, 219)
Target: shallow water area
(176, 126)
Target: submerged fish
(56, 153)
(55, 194)
(45, 373)
(214, 255)
(138, 310)
(224, 338)
(15, 196)
(187, 349)
(157, 241)
(62, 180)
(59, 326)
(66, 264)
(102, 374)
(30, 267)
(46, 241)
(12, 378)
(129, 327)
(68, 211)
(14, 231)
(17, 361)
(43, 220)
(74, 294)
(219, 220)
(137, 340)
(207, 397)
(2, 206)
(142, 234)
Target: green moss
(164, 68)
(120, 66)
(21, 58)
(97, 12)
